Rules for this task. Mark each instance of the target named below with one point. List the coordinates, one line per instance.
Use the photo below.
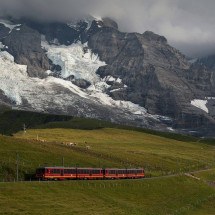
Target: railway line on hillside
(187, 174)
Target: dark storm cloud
(188, 24)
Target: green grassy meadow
(123, 148)
(173, 195)
(166, 190)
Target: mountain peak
(108, 22)
(151, 36)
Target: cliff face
(140, 68)
(148, 66)
(24, 44)
(158, 77)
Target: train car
(124, 173)
(55, 173)
(69, 173)
(115, 173)
(135, 173)
(90, 173)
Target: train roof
(123, 168)
(63, 167)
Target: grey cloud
(189, 25)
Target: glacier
(62, 96)
(78, 60)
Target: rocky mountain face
(146, 82)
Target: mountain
(89, 68)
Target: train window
(67, 171)
(87, 171)
(80, 171)
(112, 172)
(132, 171)
(56, 171)
(95, 171)
(73, 171)
(83, 171)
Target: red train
(72, 173)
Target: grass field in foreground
(123, 148)
(173, 195)
(206, 209)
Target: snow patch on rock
(1, 45)
(210, 98)
(9, 25)
(112, 79)
(201, 104)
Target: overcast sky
(189, 25)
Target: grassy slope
(209, 207)
(33, 154)
(174, 195)
(110, 148)
(12, 121)
(208, 175)
(158, 155)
